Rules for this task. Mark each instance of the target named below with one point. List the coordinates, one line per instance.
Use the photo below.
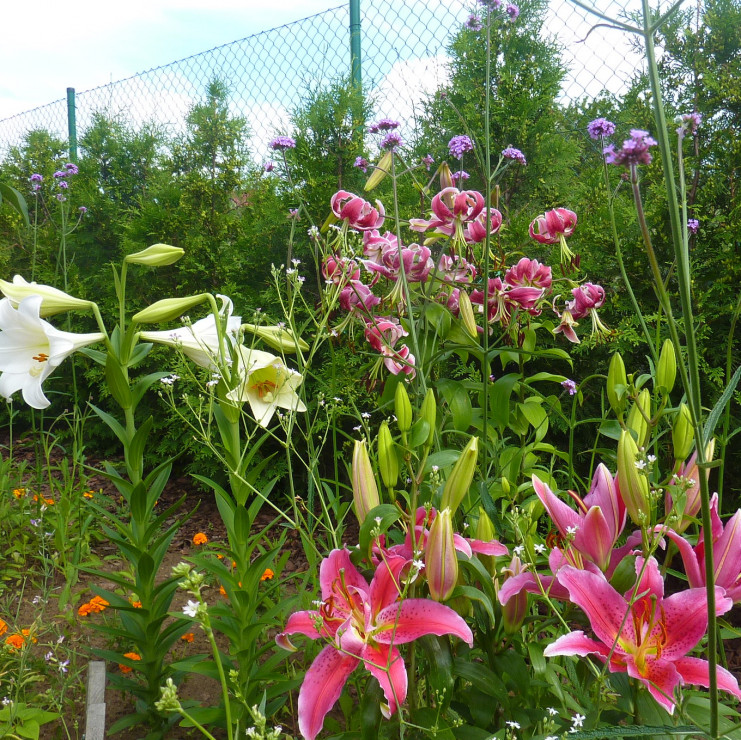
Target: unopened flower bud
(279, 338)
(682, 433)
(429, 413)
(666, 372)
(514, 611)
(466, 314)
(364, 487)
(617, 383)
(402, 408)
(380, 171)
(485, 533)
(388, 460)
(637, 418)
(158, 255)
(633, 483)
(53, 300)
(441, 562)
(446, 176)
(460, 478)
(168, 309)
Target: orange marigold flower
(219, 556)
(200, 539)
(98, 604)
(3, 626)
(27, 633)
(85, 609)
(49, 501)
(88, 494)
(15, 641)
(187, 637)
(267, 575)
(136, 604)
(19, 492)
(130, 656)
(222, 590)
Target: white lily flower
(200, 341)
(53, 300)
(266, 383)
(30, 349)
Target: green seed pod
(682, 433)
(637, 417)
(617, 383)
(402, 408)
(666, 372)
(388, 460)
(429, 413)
(460, 478)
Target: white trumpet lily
(266, 384)
(30, 349)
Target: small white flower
(435, 468)
(191, 609)
(378, 520)
(651, 458)
(358, 428)
(418, 564)
(640, 464)
(577, 721)
(365, 415)
(552, 711)
(539, 548)
(318, 604)
(518, 550)
(513, 725)
(572, 530)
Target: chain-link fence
(404, 58)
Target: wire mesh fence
(404, 56)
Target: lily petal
(321, 688)
(660, 677)
(387, 666)
(564, 517)
(576, 643)
(697, 671)
(412, 618)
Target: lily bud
(167, 309)
(380, 171)
(617, 383)
(688, 503)
(402, 408)
(466, 313)
(514, 611)
(459, 480)
(666, 372)
(364, 487)
(446, 176)
(279, 338)
(53, 300)
(441, 562)
(158, 255)
(633, 483)
(388, 461)
(637, 417)
(682, 433)
(485, 532)
(429, 413)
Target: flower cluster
(96, 605)
(600, 128)
(459, 145)
(281, 143)
(634, 150)
(515, 154)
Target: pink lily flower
(597, 524)
(530, 273)
(375, 245)
(566, 327)
(356, 297)
(652, 643)
(726, 553)
(362, 624)
(450, 209)
(475, 231)
(383, 332)
(550, 227)
(587, 298)
(415, 259)
(358, 213)
(339, 270)
(400, 361)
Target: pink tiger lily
(362, 624)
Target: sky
(48, 45)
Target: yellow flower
(19, 492)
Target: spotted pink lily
(451, 208)
(362, 624)
(649, 638)
(597, 524)
(726, 553)
(358, 213)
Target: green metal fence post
(355, 74)
(72, 124)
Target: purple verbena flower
(600, 127)
(361, 163)
(63, 184)
(281, 143)
(512, 11)
(511, 153)
(569, 385)
(427, 161)
(459, 145)
(693, 225)
(473, 23)
(36, 177)
(688, 123)
(391, 141)
(385, 124)
(71, 168)
(634, 151)
(461, 175)
(60, 197)
(59, 174)
(269, 166)
(82, 210)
